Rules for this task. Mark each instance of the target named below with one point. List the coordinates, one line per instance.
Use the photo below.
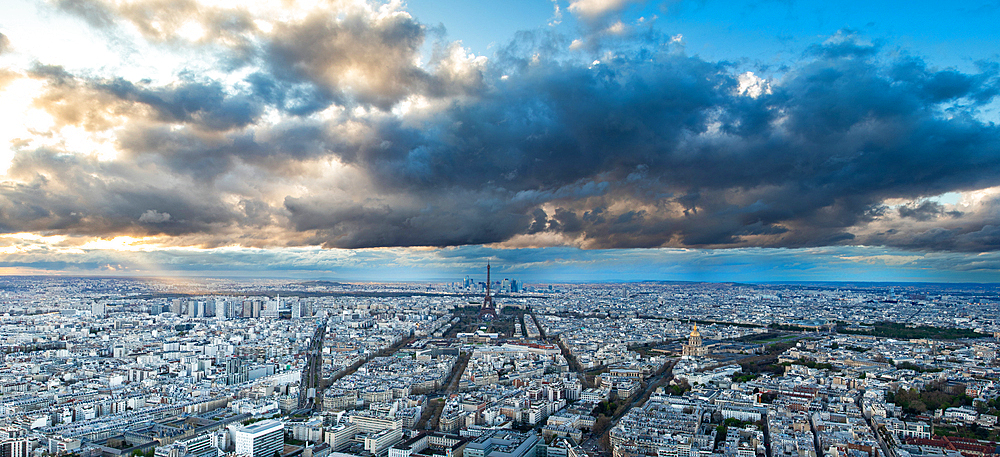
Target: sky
(561, 140)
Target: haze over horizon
(563, 140)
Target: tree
(680, 387)
(720, 436)
(601, 424)
(605, 442)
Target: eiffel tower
(487, 312)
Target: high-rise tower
(487, 311)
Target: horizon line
(439, 281)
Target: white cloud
(596, 9)
(153, 216)
(616, 29)
(752, 85)
(556, 14)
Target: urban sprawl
(496, 368)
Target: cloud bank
(350, 125)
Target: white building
(961, 413)
(261, 439)
(15, 447)
(221, 311)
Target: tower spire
(487, 311)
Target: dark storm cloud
(926, 211)
(978, 237)
(208, 157)
(217, 124)
(626, 144)
(205, 104)
(296, 98)
(553, 125)
(800, 166)
(70, 194)
(431, 220)
(199, 103)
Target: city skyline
(580, 140)
(264, 368)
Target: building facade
(262, 439)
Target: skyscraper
(236, 371)
(271, 308)
(98, 309)
(221, 311)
